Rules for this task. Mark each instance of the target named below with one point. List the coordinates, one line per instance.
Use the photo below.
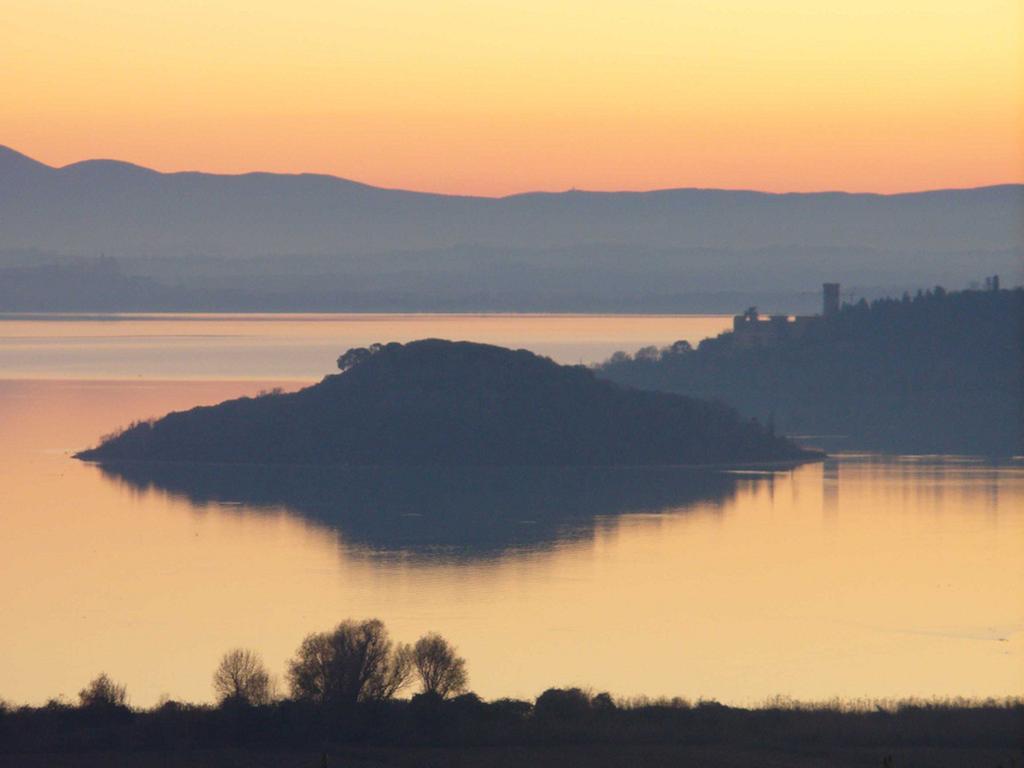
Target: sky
(495, 97)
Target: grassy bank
(560, 727)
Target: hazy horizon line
(524, 193)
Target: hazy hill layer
(437, 402)
(288, 241)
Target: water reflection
(863, 576)
(431, 513)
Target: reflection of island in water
(453, 512)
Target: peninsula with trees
(938, 372)
(435, 402)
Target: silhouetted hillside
(264, 241)
(940, 372)
(438, 402)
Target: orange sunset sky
(499, 96)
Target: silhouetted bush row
(558, 716)
(343, 685)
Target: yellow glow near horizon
(494, 96)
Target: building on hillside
(752, 330)
(829, 299)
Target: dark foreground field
(561, 729)
(597, 755)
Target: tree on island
(359, 355)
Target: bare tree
(394, 677)
(103, 692)
(440, 669)
(311, 672)
(242, 677)
(355, 662)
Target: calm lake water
(864, 576)
(302, 347)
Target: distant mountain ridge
(125, 210)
